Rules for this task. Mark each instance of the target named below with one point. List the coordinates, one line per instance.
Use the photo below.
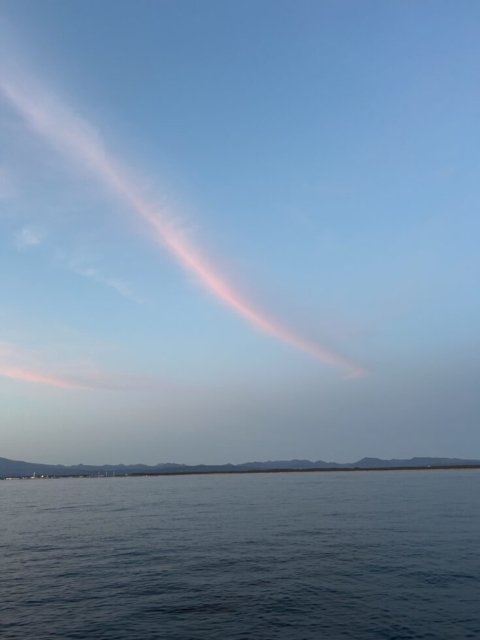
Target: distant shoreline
(243, 472)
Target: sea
(358, 555)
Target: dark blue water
(347, 555)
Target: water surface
(291, 556)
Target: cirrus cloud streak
(25, 375)
(29, 366)
(74, 138)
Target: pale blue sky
(323, 156)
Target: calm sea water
(354, 555)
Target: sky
(239, 231)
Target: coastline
(247, 472)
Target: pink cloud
(23, 365)
(26, 375)
(71, 136)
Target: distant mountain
(18, 468)
(377, 463)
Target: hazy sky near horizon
(236, 231)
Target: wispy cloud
(29, 366)
(23, 365)
(77, 141)
(39, 377)
(28, 237)
(96, 274)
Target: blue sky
(320, 158)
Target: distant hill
(18, 468)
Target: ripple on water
(360, 556)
